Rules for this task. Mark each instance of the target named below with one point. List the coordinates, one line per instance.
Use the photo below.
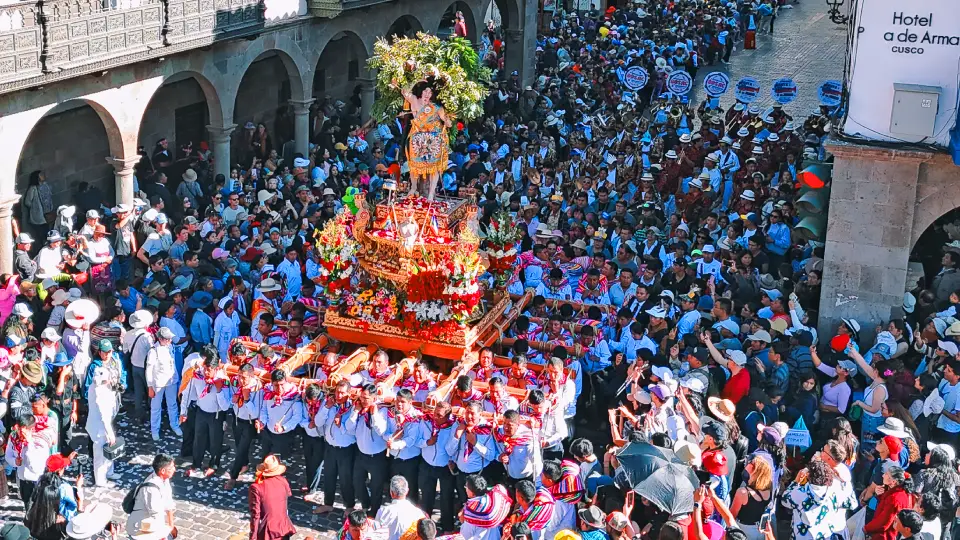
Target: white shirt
(153, 501)
(47, 261)
(161, 369)
(293, 279)
(397, 517)
(33, 458)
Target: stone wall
(881, 201)
(70, 147)
(262, 91)
(159, 120)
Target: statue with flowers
(437, 81)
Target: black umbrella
(656, 474)
(641, 459)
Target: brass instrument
(676, 113)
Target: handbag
(116, 450)
(855, 413)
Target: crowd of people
(673, 303)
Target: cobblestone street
(806, 46)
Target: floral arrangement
(502, 236)
(453, 63)
(337, 251)
(377, 304)
(462, 292)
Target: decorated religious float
(402, 274)
(414, 283)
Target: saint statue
(428, 150)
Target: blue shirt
(129, 303)
(201, 328)
(780, 234)
(618, 295)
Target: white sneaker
(155, 436)
(178, 431)
(114, 476)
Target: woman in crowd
(753, 499)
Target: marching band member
(485, 511)
(519, 449)
(372, 429)
(247, 400)
(498, 400)
(206, 392)
(471, 446)
(313, 443)
(339, 426)
(280, 414)
(435, 431)
(421, 382)
(403, 445)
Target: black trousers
(409, 469)
(460, 479)
(207, 437)
(313, 448)
(373, 468)
(277, 443)
(244, 433)
(338, 463)
(189, 434)
(429, 477)
(27, 487)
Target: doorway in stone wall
(190, 123)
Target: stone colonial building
(84, 83)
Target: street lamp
(834, 12)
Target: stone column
(872, 203)
(220, 141)
(367, 95)
(301, 125)
(124, 178)
(6, 233)
(513, 49)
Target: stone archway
(341, 69)
(272, 82)
(448, 19)
(180, 111)
(71, 143)
(405, 26)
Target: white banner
(916, 42)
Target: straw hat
(271, 466)
(724, 409)
(81, 312)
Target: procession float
(411, 273)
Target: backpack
(130, 499)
